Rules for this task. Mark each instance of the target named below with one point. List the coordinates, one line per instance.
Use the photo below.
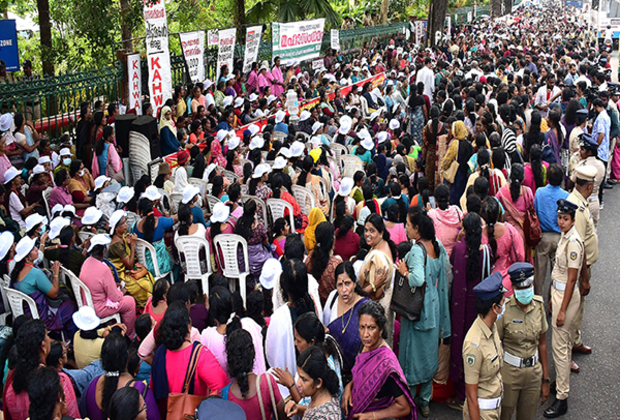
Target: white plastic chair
(350, 164)
(175, 200)
(279, 135)
(5, 281)
(190, 247)
(278, 208)
(212, 201)
(304, 198)
(261, 208)
(16, 302)
(229, 175)
(338, 150)
(244, 189)
(202, 185)
(132, 218)
(83, 297)
(141, 248)
(46, 199)
(83, 236)
(226, 246)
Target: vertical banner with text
(419, 32)
(193, 45)
(226, 50)
(335, 39)
(157, 54)
(134, 88)
(252, 42)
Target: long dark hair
(230, 157)
(310, 328)
(240, 354)
(199, 166)
(313, 362)
(369, 198)
(517, 174)
(426, 228)
(490, 214)
(28, 344)
(66, 236)
(377, 221)
(276, 185)
(321, 253)
(174, 325)
(125, 404)
(43, 392)
(145, 207)
(294, 285)
(402, 207)
(114, 361)
(221, 307)
(245, 222)
(473, 238)
(346, 224)
(308, 164)
(537, 165)
(185, 220)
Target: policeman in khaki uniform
(522, 330)
(588, 152)
(584, 178)
(565, 302)
(483, 354)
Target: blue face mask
(43, 229)
(525, 296)
(66, 161)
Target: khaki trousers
(579, 319)
(521, 391)
(562, 340)
(545, 256)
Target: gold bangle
(374, 289)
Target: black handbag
(408, 301)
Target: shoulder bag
(531, 226)
(274, 408)
(183, 406)
(450, 173)
(409, 301)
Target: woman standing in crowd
(106, 160)
(516, 199)
(460, 150)
(446, 218)
(321, 260)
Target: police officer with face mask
(522, 329)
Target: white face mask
(81, 172)
(501, 314)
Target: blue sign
(8, 45)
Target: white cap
(239, 102)
(23, 248)
(382, 136)
(116, 217)
(286, 152)
(208, 170)
(5, 121)
(221, 135)
(65, 152)
(69, 209)
(316, 126)
(271, 98)
(253, 97)
(99, 239)
(152, 193)
(261, 170)
(363, 134)
(345, 125)
(189, 192)
(91, 216)
(7, 239)
(228, 100)
(86, 319)
(56, 226)
(229, 77)
(346, 186)
(280, 116)
(100, 180)
(34, 220)
(297, 148)
(271, 271)
(304, 115)
(38, 169)
(44, 159)
(220, 213)
(207, 84)
(279, 163)
(233, 142)
(57, 209)
(316, 142)
(125, 194)
(257, 143)
(254, 129)
(11, 173)
(394, 124)
(367, 143)
(361, 218)
(374, 115)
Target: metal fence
(459, 16)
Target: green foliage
(292, 10)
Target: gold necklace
(344, 327)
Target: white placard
(419, 32)
(297, 40)
(226, 50)
(468, 17)
(448, 24)
(213, 38)
(157, 54)
(134, 81)
(335, 39)
(317, 64)
(193, 45)
(252, 43)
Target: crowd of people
(438, 220)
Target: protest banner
(8, 44)
(252, 42)
(298, 40)
(226, 50)
(419, 32)
(134, 88)
(317, 63)
(335, 39)
(193, 45)
(213, 38)
(157, 54)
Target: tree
(292, 10)
(383, 13)
(436, 19)
(496, 8)
(45, 28)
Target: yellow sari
(140, 289)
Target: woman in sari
(152, 229)
(307, 179)
(379, 387)
(460, 150)
(430, 134)
(419, 341)
(516, 198)
(341, 312)
(122, 253)
(315, 217)
(471, 263)
(255, 233)
(446, 218)
(106, 160)
(80, 185)
(216, 155)
(322, 262)
(418, 115)
(377, 271)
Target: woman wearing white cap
(55, 308)
(40, 181)
(107, 298)
(69, 257)
(7, 250)
(106, 160)
(151, 229)
(14, 200)
(122, 253)
(257, 185)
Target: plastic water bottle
(292, 104)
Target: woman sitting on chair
(122, 253)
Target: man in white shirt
(427, 76)
(545, 95)
(475, 72)
(583, 70)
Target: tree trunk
(385, 5)
(436, 18)
(240, 19)
(125, 27)
(496, 8)
(45, 28)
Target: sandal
(455, 404)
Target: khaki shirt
(520, 329)
(568, 255)
(600, 174)
(482, 359)
(585, 226)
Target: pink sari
(615, 163)
(216, 154)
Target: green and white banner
(298, 40)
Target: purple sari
(349, 340)
(371, 371)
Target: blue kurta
(419, 341)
